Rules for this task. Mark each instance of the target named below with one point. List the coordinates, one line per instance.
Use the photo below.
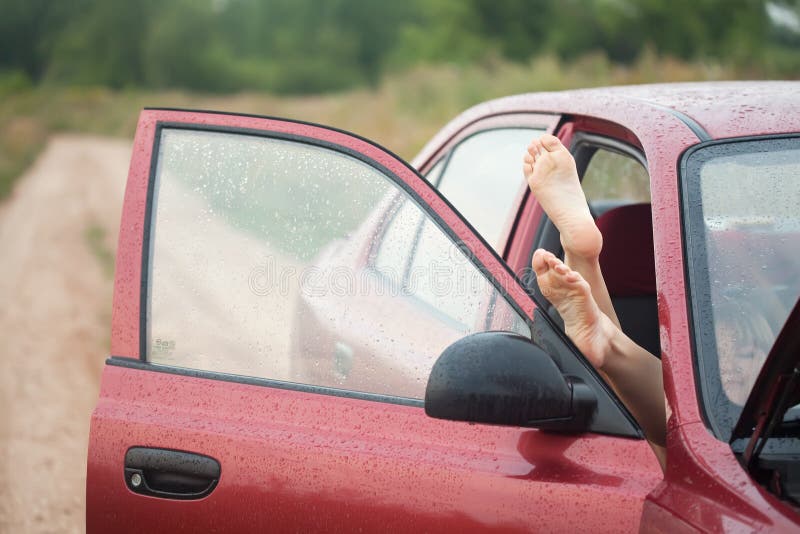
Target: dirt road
(58, 234)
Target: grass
(401, 113)
(21, 139)
(95, 237)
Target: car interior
(618, 199)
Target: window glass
(483, 177)
(439, 278)
(394, 250)
(613, 179)
(744, 234)
(420, 264)
(260, 265)
(435, 172)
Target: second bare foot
(585, 324)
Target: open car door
(243, 392)
(767, 436)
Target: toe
(552, 260)
(527, 171)
(550, 143)
(539, 262)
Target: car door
(741, 237)
(202, 422)
(477, 168)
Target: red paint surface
(522, 242)
(439, 472)
(296, 461)
(128, 271)
(707, 491)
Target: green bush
(312, 46)
(13, 81)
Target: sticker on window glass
(163, 347)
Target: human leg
(552, 176)
(633, 372)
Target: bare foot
(551, 174)
(588, 327)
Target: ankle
(605, 355)
(587, 248)
(617, 346)
(583, 261)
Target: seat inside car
(628, 264)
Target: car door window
(482, 178)
(612, 179)
(263, 263)
(617, 187)
(395, 247)
(435, 172)
(432, 271)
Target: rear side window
(483, 178)
(430, 271)
(289, 261)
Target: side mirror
(504, 379)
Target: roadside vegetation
(392, 71)
(95, 237)
(317, 46)
(400, 112)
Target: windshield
(742, 216)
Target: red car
(290, 300)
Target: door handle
(170, 474)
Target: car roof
(722, 109)
(656, 112)
(727, 109)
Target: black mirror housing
(505, 379)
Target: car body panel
(302, 461)
(726, 109)
(299, 457)
(710, 492)
(703, 487)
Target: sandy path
(54, 324)
(56, 291)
